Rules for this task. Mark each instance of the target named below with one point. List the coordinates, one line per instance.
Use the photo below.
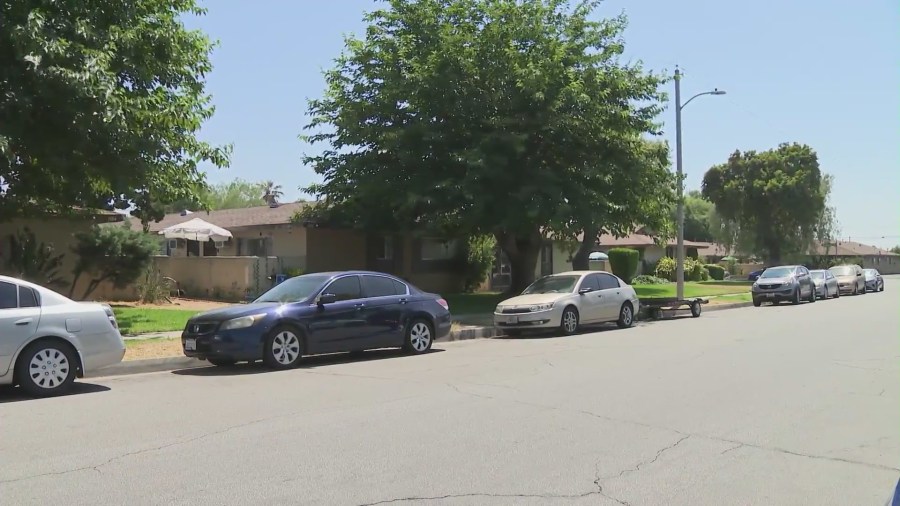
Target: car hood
(236, 311)
(846, 279)
(534, 298)
(773, 281)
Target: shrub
(116, 254)
(293, 272)
(665, 268)
(33, 261)
(693, 270)
(477, 260)
(716, 272)
(646, 279)
(152, 287)
(624, 262)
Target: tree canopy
(111, 253)
(235, 194)
(776, 198)
(101, 104)
(504, 117)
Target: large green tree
(777, 197)
(480, 116)
(100, 104)
(698, 216)
(234, 194)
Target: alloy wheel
(286, 347)
(570, 321)
(420, 337)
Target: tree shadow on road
(16, 394)
(309, 362)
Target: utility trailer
(656, 305)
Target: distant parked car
(319, 313)
(851, 279)
(874, 281)
(47, 340)
(567, 300)
(826, 284)
(753, 276)
(786, 282)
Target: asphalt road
(770, 406)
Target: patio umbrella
(195, 230)
(598, 255)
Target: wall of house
(335, 250)
(287, 242)
(884, 264)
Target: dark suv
(787, 282)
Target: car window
(607, 281)
(379, 286)
(9, 298)
(401, 288)
(346, 288)
(590, 281)
(27, 297)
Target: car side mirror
(327, 298)
(585, 290)
(860, 274)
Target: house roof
(259, 216)
(711, 249)
(640, 241)
(850, 249)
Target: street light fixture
(679, 218)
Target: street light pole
(679, 171)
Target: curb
(176, 363)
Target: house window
(436, 249)
(253, 247)
(384, 248)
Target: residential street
(770, 406)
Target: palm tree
(272, 193)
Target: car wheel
(826, 295)
(795, 299)
(837, 293)
(568, 324)
(812, 294)
(757, 302)
(283, 348)
(864, 290)
(221, 362)
(419, 337)
(626, 316)
(881, 288)
(46, 368)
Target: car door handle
(360, 305)
(24, 321)
(404, 300)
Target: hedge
(624, 262)
(716, 272)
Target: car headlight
(541, 307)
(498, 309)
(241, 323)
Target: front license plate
(512, 320)
(190, 344)
(770, 295)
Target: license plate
(770, 295)
(190, 344)
(512, 319)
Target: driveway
(772, 406)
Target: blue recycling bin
(279, 278)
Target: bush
(293, 272)
(477, 260)
(33, 261)
(152, 287)
(694, 270)
(665, 268)
(716, 272)
(624, 262)
(646, 279)
(116, 254)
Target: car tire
(626, 316)
(568, 324)
(221, 362)
(47, 368)
(756, 302)
(825, 294)
(837, 293)
(696, 309)
(283, 348)
(812, 295)
(864, 290)
(795, 299)
(881, 288)
(419, 337)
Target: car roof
(332, 274)
(577, 273)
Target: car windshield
(294, 289)
(870, 273)
(552, 284)
(843, 270)
(817, 274)
(777, 272)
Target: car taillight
(111, 315)
(444, 304)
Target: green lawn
(480, 303)
(137, 320)
(742, 297)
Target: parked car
(874, 281)
(319, 313)
(851, 279)
(826, 283)
(568, 300)
(786, 282)
(47, 340)
(753, 276)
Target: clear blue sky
(821, 72)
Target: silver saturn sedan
(826, 284)
(46, 340)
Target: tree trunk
(581, 261)
(774, 249)
(523, 252)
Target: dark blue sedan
(319, 313)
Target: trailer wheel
(696, 309)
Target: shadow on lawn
(310, 362)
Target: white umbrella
(196, 230)
(598, 255)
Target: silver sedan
(826, 284)
(46, 340)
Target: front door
(338, 326)
(17, 324)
